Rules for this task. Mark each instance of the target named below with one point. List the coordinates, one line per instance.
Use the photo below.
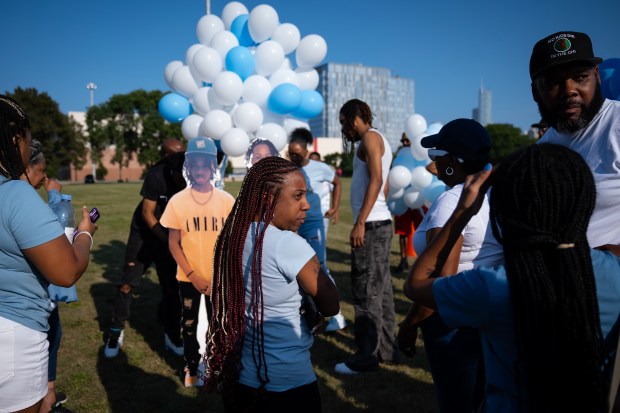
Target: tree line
(132, 123)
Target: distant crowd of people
(515, 288)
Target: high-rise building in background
(483, 113)
(391, 98)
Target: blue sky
(447, 47)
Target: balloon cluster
(610, 78)
(238, 82)
(411, 185)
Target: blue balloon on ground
(174, 107)
(284, 99)
(240, 29)
(311, 105)
(241, 61)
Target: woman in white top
(460, 148)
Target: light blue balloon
(432, 192)
(174, 107)
(239, 28)
(284, 99)
(241, 61)
(405, 158)
(311, 105)
(397, 206)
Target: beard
(588, 113)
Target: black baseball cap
(464, 138)
(561, 47)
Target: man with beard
(567, 88)
(147, 244)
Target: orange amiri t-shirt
(200, 226)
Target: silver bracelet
(89, 236)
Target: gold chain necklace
(191, 192)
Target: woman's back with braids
(13, 126)
(256, 201)
(540, 208)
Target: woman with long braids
(34, 251)
(258, 343)
(546, 315)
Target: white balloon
(415, 125)
(200, 101)
(420, 178)
(308, 78)
(399, 177)
(434, 128)
(274, 133)
(191, 126)
(256, 89)
(169, 71)
(419, 152)
(283, 76)
(248, 117)
(223, 42)
(262, 22)
(208, 26)
(191, 52)
(413, 199)
(286, 64)
(207, 64)
(213, 102)
(228, 87)
(183, 82)
(269, 57)
(288, 36)
(231, 11)
(311, 51)
(395, 193)
(215, 124)
(290, 124)
(235, 142)
(271, 117)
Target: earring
(449, 171)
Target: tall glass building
(391, 98)
(483, 113)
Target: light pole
(91, 88)
(208, 6)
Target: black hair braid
(13, 125)
(256, 202)
(541, 203)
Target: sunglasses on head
(437, 153)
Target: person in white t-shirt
(567, 88)
(460, 148)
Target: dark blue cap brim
(430, 141)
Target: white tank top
(359, 185)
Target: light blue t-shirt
(316, 174)
(287, 337)
(25, 222)
(481, 298)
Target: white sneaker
(342, 368)
(336, 323)
(114, 343)
(170, 345)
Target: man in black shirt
(147, 244)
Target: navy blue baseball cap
(463, 138)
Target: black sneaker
(59, 408)
(61, 398)
(114, 343)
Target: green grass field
(146, 378)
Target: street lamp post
(91, 88)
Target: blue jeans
(455, 357)
(373, 300)
(314, 234)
